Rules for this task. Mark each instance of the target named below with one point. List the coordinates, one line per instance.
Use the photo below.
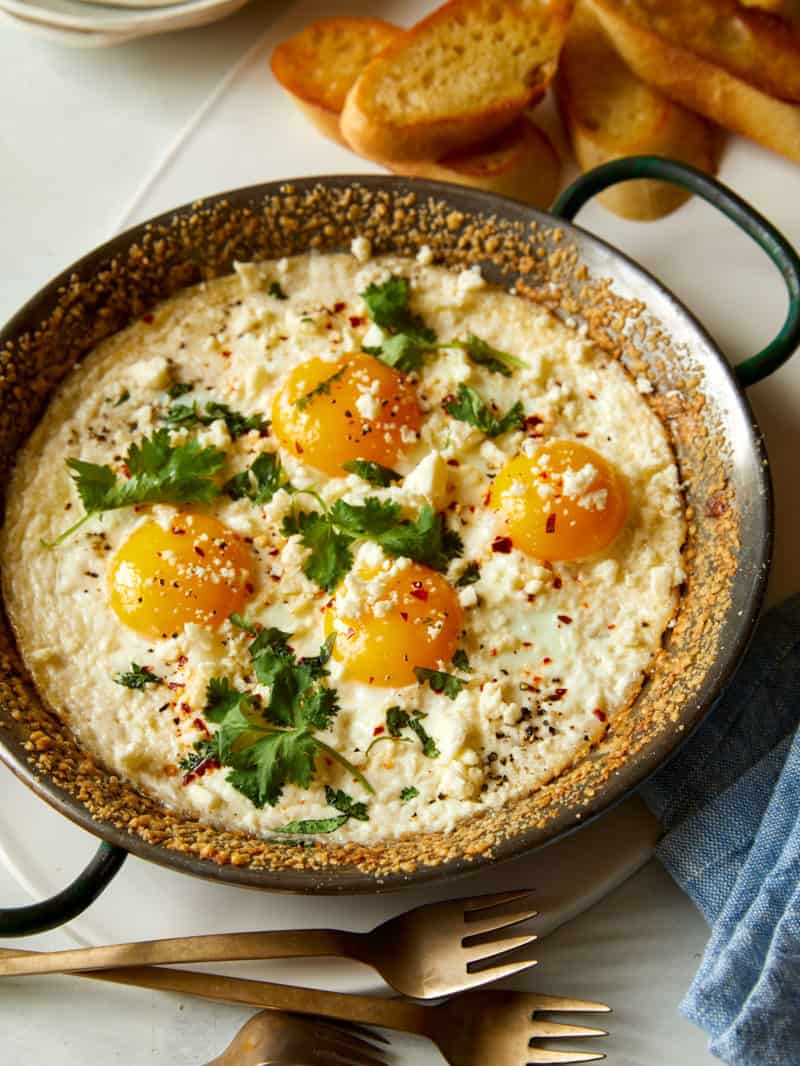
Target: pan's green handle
(75, 898)
(738, 210)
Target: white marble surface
(80, 132)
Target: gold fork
(486, 1027)
(424, 954)
(273, 1038)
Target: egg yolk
(328, 414)
(420, 628)
(564, 502)
(193, 571)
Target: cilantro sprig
(468, 406)
(374, 473)
(409, 793)
(158, 473)
(269, 744)
(138, 677)
(329, 535)
(260, 481)
(442, 683)
(323, 388)
(341, 802)
(486, 355)
(407, 338)
(397, 720)
(189, 415)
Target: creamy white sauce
(540, 689)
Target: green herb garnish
(484, 354)
(330, 533)
(202, 751)
(340, 801)
(461, 661)
(189, 415)
(374, 473)
(469, 407)
(242, 623)
(270, 744)
(178, 389)
(123, 397)
(471, 574)
(158, 473)
(397, 720)
(260, 481)
(443, 684)
(409, 793)
(322, 389)
(138, 677)
(408, 338)
(276, 291)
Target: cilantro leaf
(123, 397)
(340, 801)
(440, 682)
(468, 406)
(260, 481)
(242, 623)
(397, 720)
(188, 415)
(409, 793)
(471, 574)
(371, 519)
(203, 750)
(159, 473)
(409, 338)
(484, 354)
(221, 699)
(276, 290)
(178, 389)
(374, 473)
(426, 540)
(330, 557)
(321, 389)
(461, 661)
(137, 677)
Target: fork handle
(217, 947)
(369, 1010)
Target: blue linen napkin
(730, 806)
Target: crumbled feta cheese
(643, 385)
(575, 483)
(361, 249)
(425, 255)
(428, 479)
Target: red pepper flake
(186, 708)
(355, 321)
(249, 588)
(487, 499)
(199, 551)
(404, 615)
(125, 470)
(198, 723)
(581, 435)
(448, 399)
(225, 353)
(174, 685)
(453, 462)
(493, 652)
(550, 524)
(600, 714)
(546, 661)
(148, 318)
(559, 694)
(611, 627)
(418, 590)
(376, 732)
(503, 545)
(557, 582)
(532, 421)
(565, 618)
(527, 644)
(182, 660)
(339, 306)
(177, 532)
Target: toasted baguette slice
(610, 112)
(318, 66)
(738, 66)
(519, 162)
(458, 77)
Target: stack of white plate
(94, 23)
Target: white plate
(72, 38)
(76, 15)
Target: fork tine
(541, 1030)
(559, 1003)
(495, 922)
(479, 903)
(542, 1056)
(486, 952)
(355, 1036)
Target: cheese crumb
(361, 249)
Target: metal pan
(716, 440)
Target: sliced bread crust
(610, 112)
(745, 74)
(318, 66)
(519, 162)
(456, 78)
